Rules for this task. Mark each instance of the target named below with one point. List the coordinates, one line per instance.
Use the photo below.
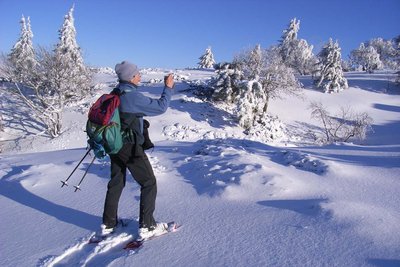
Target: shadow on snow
(308, 207)
(14, 190)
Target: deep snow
(241, 202)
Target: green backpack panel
(105, 139)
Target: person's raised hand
(169, 81)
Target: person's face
(136, 79)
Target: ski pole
(65, 181)
(83, 177)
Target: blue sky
(175, 33)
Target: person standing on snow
(134, 105)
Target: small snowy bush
(302, 161)
(266, 129)
(225, 84)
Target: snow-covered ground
(240, 202)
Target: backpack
(103, 127)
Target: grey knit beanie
(126, 70)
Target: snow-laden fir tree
(226, 83)
(71, 76)
(290, 34)
(330, 75)
(22, 55)
(207, 60)
(366, 58)
(296, 53)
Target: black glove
(147, 142)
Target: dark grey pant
(141, 170)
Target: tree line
(257, 75)
(47, 79)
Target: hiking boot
(157, 230)
(106, 230)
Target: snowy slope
(240, 202)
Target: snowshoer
(134, 105)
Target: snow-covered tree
(70, 75)
(23, 67)
(251, 62)
(226, 83)
(22, 55)
(330, 74)
(46, 103)
(386, 50)
(207, 60)
(256, 62)
(296, 53)
(57, 77)
(275, 79)
(396, 42)
(251, 104)
(289, 35)
(366, 58)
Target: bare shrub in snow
(329, 75)
(342, 127)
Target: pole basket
(64, 183)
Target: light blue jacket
(133, 101)
(139, 105)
